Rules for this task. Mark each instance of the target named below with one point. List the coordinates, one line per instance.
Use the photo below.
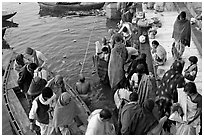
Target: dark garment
(171, 79)
(24, 79)
(42, 112)
(127, 17)
(188, 71)
(182, 31)
(143, 119)
(132, 68)
(127, 113)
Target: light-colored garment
(134, 81)
(121, 94)
(132, 51)
(64, 118)
(42, 74)
(181, 127)
(161, 53)
(188, 107)
(98, 127)
(42, 60)
(44, 128)
(189, 110)
(177, 49)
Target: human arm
(42, 58)
(32, 115)
(50, 82)
(21, 78)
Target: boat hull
(7, 16)
(73, 7)
(17, 105)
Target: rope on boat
(87, 48)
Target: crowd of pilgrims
(121, 65)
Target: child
(191, 72)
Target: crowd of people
(121, 65)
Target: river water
(63, 39)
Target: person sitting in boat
(19, 63)
(40, 112)
(25, 77)
(57, 85)
(65, 113)
(191, 72)
(99, 123)
(83, 87)
(40, 59)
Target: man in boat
(116, 72)
(25, 77)
(99, 123)
(83, 87)
(65, 113)
(57, 85)
(40, 59)
(181, 35)
(40, 112)
(19, 63)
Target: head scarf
(65, 98)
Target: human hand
(32, 126)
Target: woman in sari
(170, 81)
(181, 35)
(144, 83)
(194, 107)
(188, 115)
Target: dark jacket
(42, 112)
(24, 79)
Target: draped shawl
(182, 31)
(116, 71)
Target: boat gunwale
(12, 118)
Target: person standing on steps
(181, 35)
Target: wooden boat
(6, 15)
(82, 6)
(17, 105)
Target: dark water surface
(58, 37)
